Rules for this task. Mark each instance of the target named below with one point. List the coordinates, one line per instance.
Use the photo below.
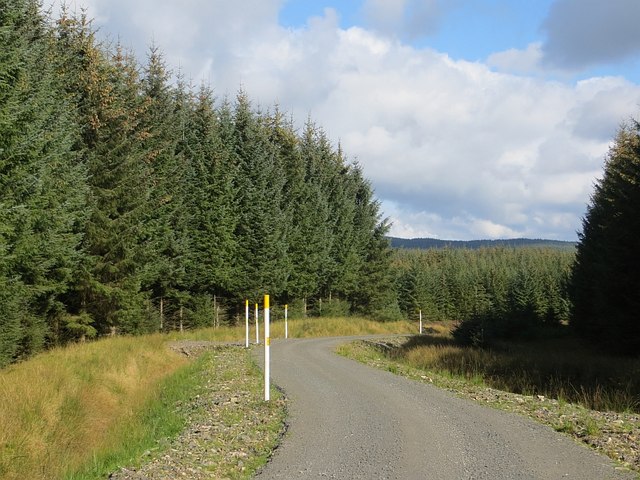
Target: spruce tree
(260, 231)
(308, 214)
(42, 184)
(605, 281)
(169, 216)
(214, 196)
(106, 89)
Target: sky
(473, 119)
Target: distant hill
(425, 243)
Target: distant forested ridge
(425, 243)
(132, 201)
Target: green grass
(150, 427)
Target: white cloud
(490, 230)
(517, 61)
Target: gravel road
(350, 421)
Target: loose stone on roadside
(230, 430)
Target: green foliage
(42, 183)
(492, 292)
(606, 276)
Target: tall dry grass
(300, 328)
(61, 408)
(561, 368)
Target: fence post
(257, 327)
(246, 323)
(420, 322)
(286, 323)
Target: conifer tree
(169, 217)
(606, 276)
(260, 229)
(309, 236)
(375, 294)
(215, 195)
(42, 193)
(107, 91)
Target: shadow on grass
(563, 368)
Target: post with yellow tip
(267, 347)
(246, 323)
(286, 323)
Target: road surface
(351, 421)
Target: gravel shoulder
(351, 421)
(231, 431)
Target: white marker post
(267, 347)
(257, 327)
(286, 324)
(246, 323)
(420, 322)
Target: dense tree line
(425, 243)
(493, 292)
(128, 199)
(605, 283)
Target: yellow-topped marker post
(267, 347)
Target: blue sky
(472, 118)
(500, 24)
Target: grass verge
(83, 411)
(230, 432)
(58, 410)
(150, 427)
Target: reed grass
(61, 409)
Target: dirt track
(351, 421)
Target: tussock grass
(61, 409)
(563, 369)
